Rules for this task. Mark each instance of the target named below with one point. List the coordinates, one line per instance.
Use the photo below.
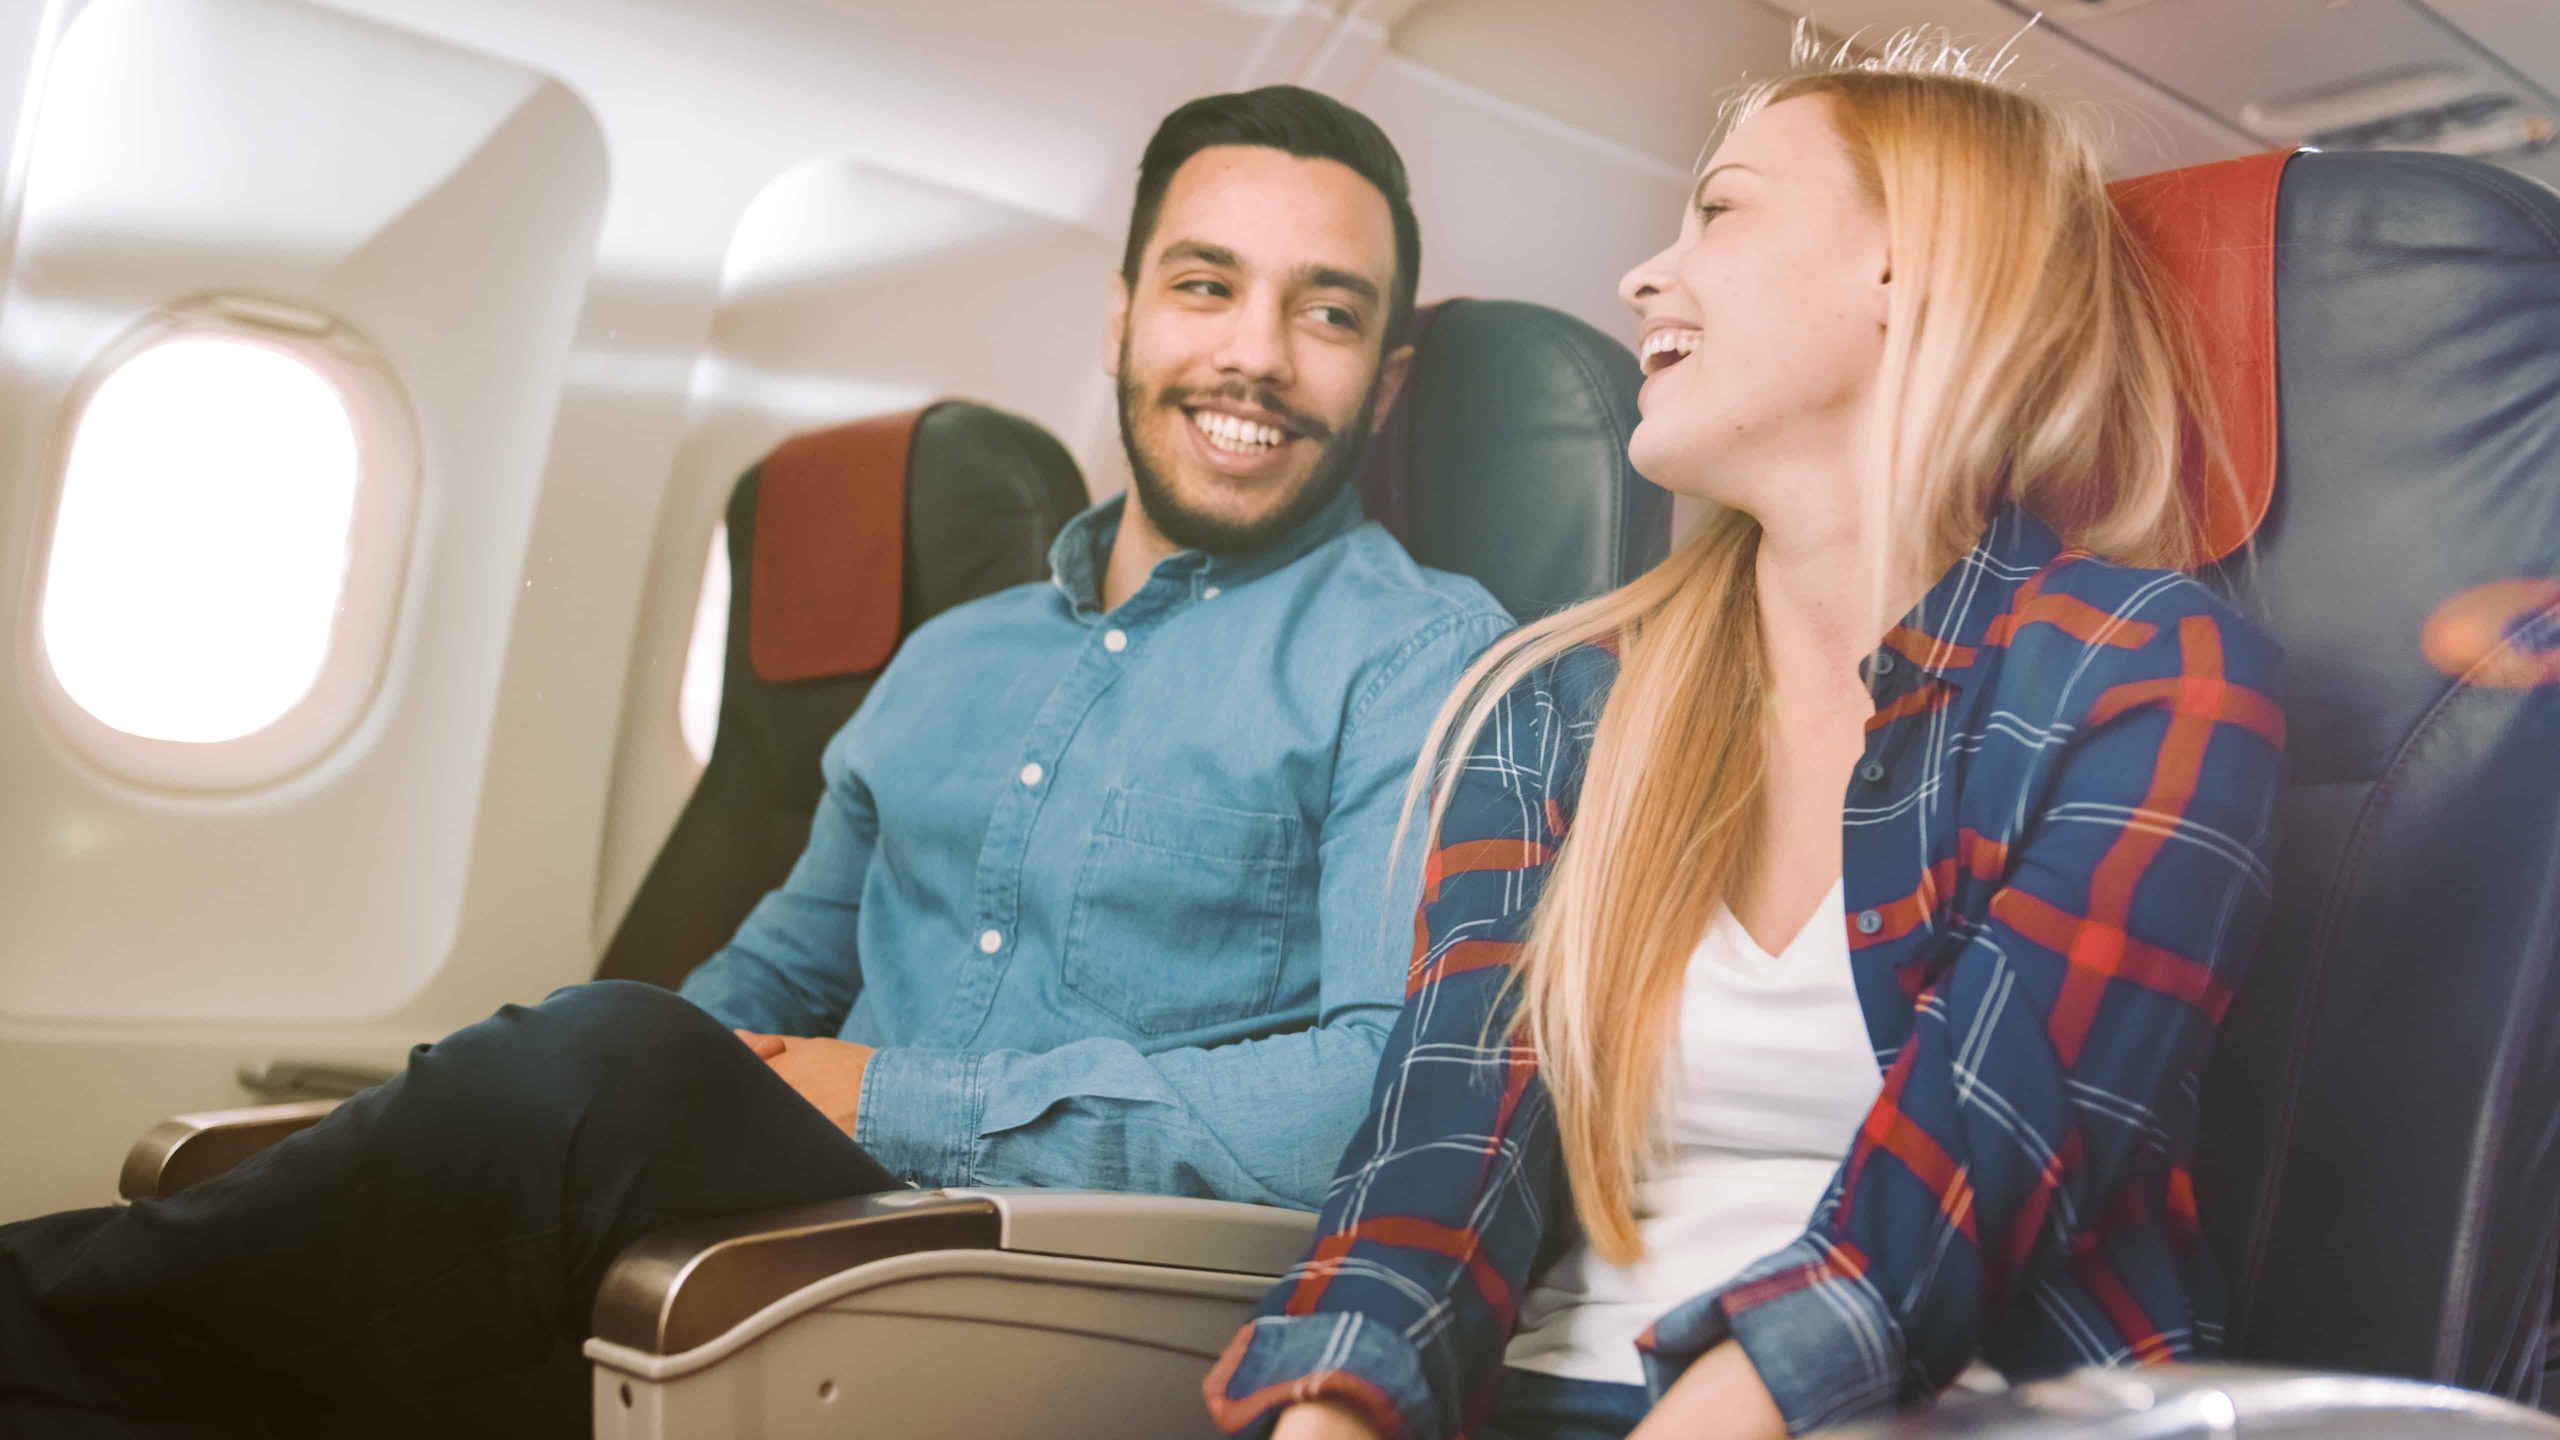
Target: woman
(1671, 995)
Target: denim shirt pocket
(1181, 911)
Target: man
(1098, 893)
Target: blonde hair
(2028, 358)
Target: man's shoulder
(1029, 603)
(1371, 569)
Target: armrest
(289, 1079)
(677, 1289)
(2175, 1402)
(190, 1149)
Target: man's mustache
(1306, 425)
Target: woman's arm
(1400, 1313)
(2045, 1061)
(1322, 1420)
(1718, 1398)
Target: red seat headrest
(829, 563)
(2211, 230)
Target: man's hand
(827, 1073)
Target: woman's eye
(1709, 210)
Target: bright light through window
(201, 550)
(698, 703)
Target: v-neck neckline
(1752, 948)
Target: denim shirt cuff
(919, 1114)
(1343, 1356)
(1813, 1326)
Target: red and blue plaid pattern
(2057, 851)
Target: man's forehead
(1270, 209)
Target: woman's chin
(1667, 463)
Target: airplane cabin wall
(317, 167)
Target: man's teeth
(1663, 348)
(1230, 433)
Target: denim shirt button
(1032, 774)
(990, 942)
(1209, 594)
(1115, 641)
(1870, 921)
(1871, 772)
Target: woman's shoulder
(1536, 736)
(2112, 623)
(1573, 682)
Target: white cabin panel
(438, 204)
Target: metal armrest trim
(2172, 1402)
(644, 1363)
(674, 1290)
(1175, 1230)
(188, 1150)
(679, 1289)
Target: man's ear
(1391, 375)
(1115, 327)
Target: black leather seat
(2381, 1158)
(873, 528)
(1505, 458)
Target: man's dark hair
(1298, 122)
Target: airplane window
(698, 703)
(229, 545)
(202, 542)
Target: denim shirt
(1108, 891)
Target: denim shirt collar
(1082, 552)
(1940, 637)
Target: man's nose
(1256, 346)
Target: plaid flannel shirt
(2057, 860)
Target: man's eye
(1212, 288)
(1339, 316)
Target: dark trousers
(423, 1260)
(1532, 1405)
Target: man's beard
(1191, 529)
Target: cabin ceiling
(1572, 62)
(2176, 81)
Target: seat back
(2380, 1160)
(840, 544)
(1505, 459)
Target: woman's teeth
(1666, 348)
(1237, 437)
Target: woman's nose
(1642, 283)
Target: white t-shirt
(1775, 1073)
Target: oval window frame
(381, 539)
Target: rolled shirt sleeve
(1439, 1208)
